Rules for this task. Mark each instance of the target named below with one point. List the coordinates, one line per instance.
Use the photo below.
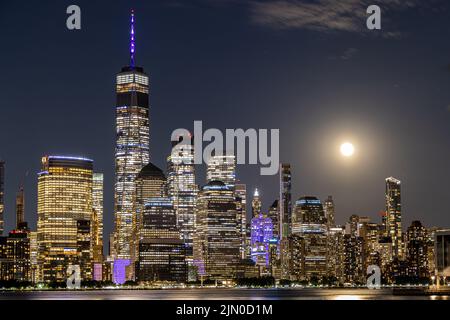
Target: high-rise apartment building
(417, 250)
(132, 148)
(285, 200)
(274, 215)
(328, 206)
(64, 199)
(241, 207)
(394, 215)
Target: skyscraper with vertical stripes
(132, 147)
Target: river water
(217, 294)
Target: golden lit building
(97, 218)
(394, 216)
(64, 199)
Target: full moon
(347, 149)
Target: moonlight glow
(347, 149)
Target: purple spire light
(132, 42)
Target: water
(216, 294)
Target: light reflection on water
(217, 294)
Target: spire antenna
(132, 41)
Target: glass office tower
(182, 190)
(216, 240)
(64, 199)
(132, 147)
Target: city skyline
(186, 215)
(308, 175)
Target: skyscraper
(162, 252)
(261, 235)
(150, 183)
(274, 215)
(97, 218)
(20, 209)
(132, 147)
(417, 250)
(328, 206)
(285, 201)
(64, 199)
(182, 190)
(222, 168)
(394, 215)
(241, 207)
(310, 223)
(2, 194)
(216, 240)
(256, 204)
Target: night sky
(308, 68)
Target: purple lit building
(119, 270)
(261, 234)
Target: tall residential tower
(394, 215)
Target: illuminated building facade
(132, 149)
(261, 235)
(417, 250)
(394, 215)
(2, 195)
(336, 253)
(353, 263)
(182, 190)
(84, 248)
(150, 183)
(97, 219)
(162, 252)
(256, 204)
(328, 206)
(309, 221)
(274, 215)
(15, 257)
(241, 207)
(216, 241)
(294, 250)
(35, 270)
(222, 168)
(64, 198)
(285, 200)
